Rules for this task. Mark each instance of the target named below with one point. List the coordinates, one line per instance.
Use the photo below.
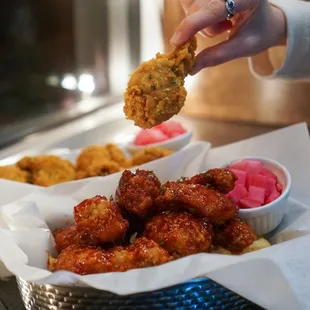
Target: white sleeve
(297, 59)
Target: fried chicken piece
(117, 155)
(221, 179)
(234, 236)
(14, 173)
(65, 237)
(47, 170)
(155, 91)
(180, 233)
(84, 260)
(91, 154)
(198, 199)
(99, 168)
(100, 218)
(148, 154)
(137, 191)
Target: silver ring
(230, 7)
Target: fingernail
(176, 38)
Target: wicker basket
(195, 294)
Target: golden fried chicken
(155, 91)
(68, 236)
(137, 191)
(198, 199)
(91, 154)
(14, 173)
(148, 154)
(100, 218)
(221, 179)
(180, 233)
(99, 168)
(234, 236)
(85, 260)
(116, 155)
(47, 170)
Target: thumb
(235, 47)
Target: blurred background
(61, 61)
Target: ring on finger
(230, 7)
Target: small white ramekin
(266, 218)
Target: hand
(256, 27)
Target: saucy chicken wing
(68, 236)
(137, 191)
(155, 91)
(198, 199)
(180, 233)
(14, 173)
(221, 179)
(148, 154)
(47, 170)
(235, 236)
(100, 218)
(85, 260)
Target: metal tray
(196, 294)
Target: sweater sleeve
(296, 64)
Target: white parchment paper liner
(275, 278)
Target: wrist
(280, 26)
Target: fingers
(202, 14)
(223, 52)
(186, 4)
(217, 29)
(196, 22)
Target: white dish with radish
(171, 135)
(261, 192)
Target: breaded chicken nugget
(91, 154)
(148, 154)
(14, 173)
(116, 154)
(47, 170)
(99, 168)
(155, 91)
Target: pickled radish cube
(249, 180)
(273, 196)
(149, 136)
(246, 203)
(239, 165)
(279, 187)
(241, 176)
(171, 128)
(256, 194)
(237, 193)
(259, 181)
(268, 173)
(270, 186)
(254, 166)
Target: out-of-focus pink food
(255, 185)
(164, 131)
